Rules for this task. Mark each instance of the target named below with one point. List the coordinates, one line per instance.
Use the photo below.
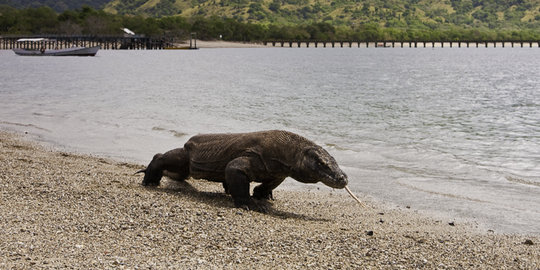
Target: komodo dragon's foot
(262, 206)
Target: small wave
(177, 133)
(42, 114)
(174, 132)
(525, 104)
(23, 125)
(158, 128)
(441, 193)
(337, 147)
(522, 181)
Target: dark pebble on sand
(528, 242)
(452, 224)
(369, 233)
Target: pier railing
(402, 44)
(106, 42)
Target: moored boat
(43, 51)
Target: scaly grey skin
(266, 157)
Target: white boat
(42, 51)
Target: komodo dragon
(236, 159)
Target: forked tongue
(354, 197)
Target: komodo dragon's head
(317, 165)
(152, 173)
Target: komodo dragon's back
(210, 153)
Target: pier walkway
(401, 44)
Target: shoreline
(68, 210)
(215, 44)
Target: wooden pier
(106, 42)
(402, 44)
(147, 43)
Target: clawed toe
(261, 206)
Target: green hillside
(492, 14)
(243, 20)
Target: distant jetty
(135, 42)
(402, 44)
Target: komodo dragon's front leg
(174, 163)
(237, 178)
(264, 190)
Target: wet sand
(62, 210)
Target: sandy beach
(65, 210)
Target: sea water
(451, 132)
